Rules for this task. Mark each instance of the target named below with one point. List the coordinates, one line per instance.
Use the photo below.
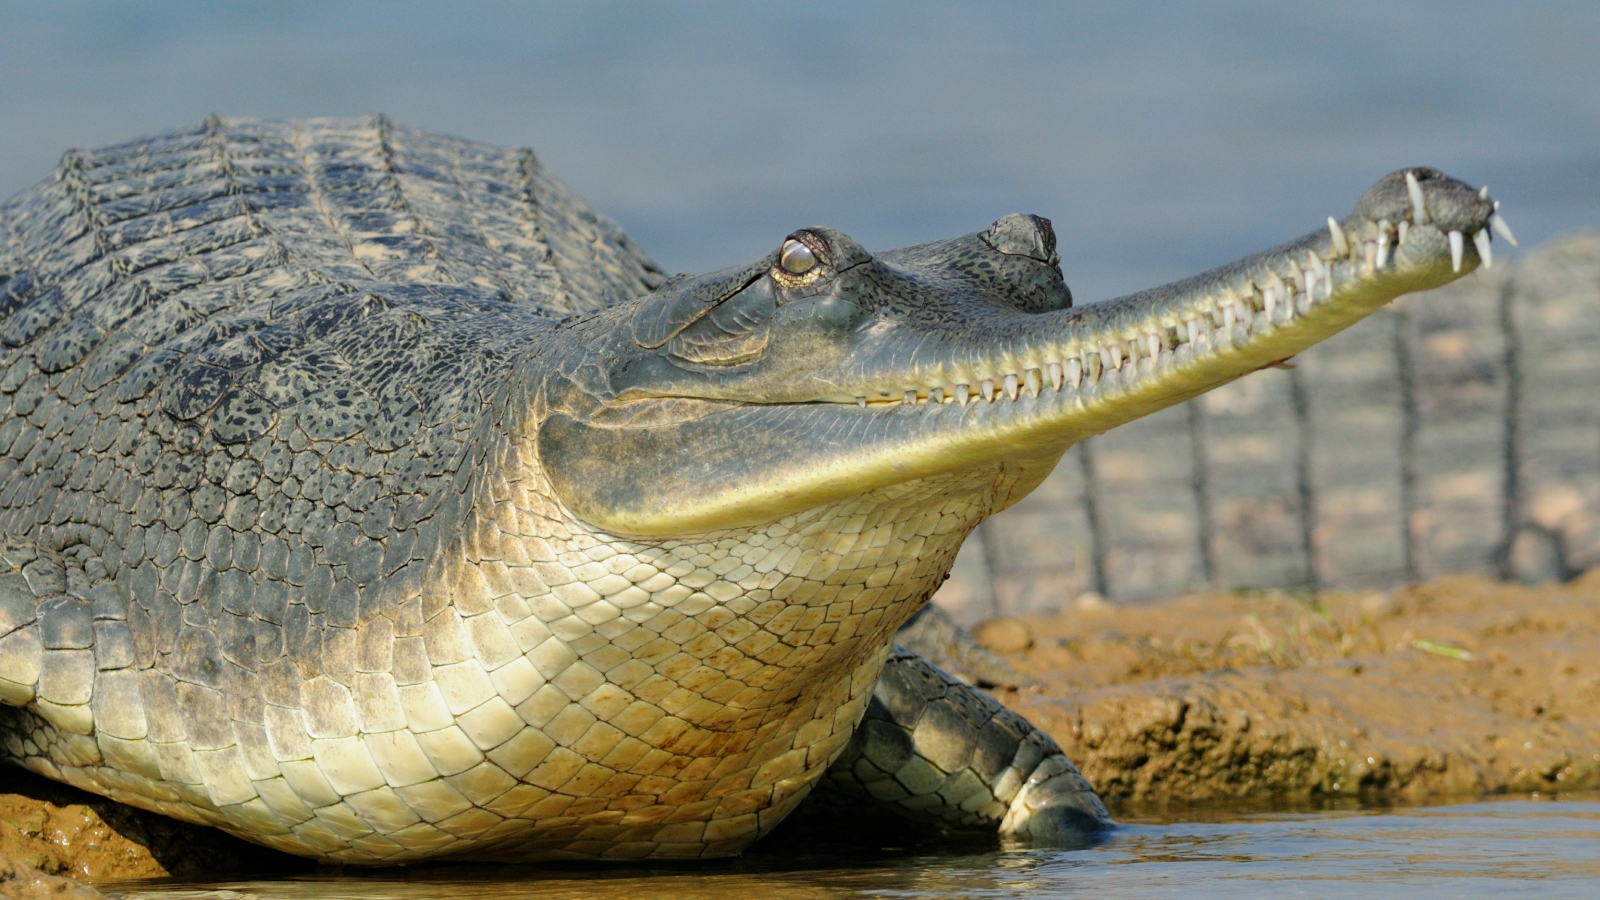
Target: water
(1507, 848)
(1162, 138)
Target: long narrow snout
(1025, 386)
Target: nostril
(1020, 234)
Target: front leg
(936, 750)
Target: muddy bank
(1461, 685)
(53, 835)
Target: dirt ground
(1458, 686)
(53, 835)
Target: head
(822, 372)
(816, 373)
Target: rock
(1003, 634)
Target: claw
(1501, 228)
(1457, 245)
(1341, 247)
(1419, 211)
(1481, 240)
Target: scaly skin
(358, 499)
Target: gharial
(367, 495)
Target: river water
(1513, 847)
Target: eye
(796, 258)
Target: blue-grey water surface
(1504, 848)
(1162, 138)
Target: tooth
(1311, 290)
(1229, 317)
(1105, 361)
(1457, 244)
(987, 389)
(1320, 269)
(1194, 329)
(1155, 345)
(1404, 225)
(1383, 244)
(861, 402)
(1269, 300)
(1032, 382)
(963, 393)
(1074, 372)
(1483, 192)
(1371, 249)
(1116, 356)
(910, 398)
(1297, 277)
(1010, 384)
(1341, 247)
(1094, 364)
(1501, 228)
(1419, 210)
(936, 395)
(1055, 375)
(1480, 239)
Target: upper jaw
(1033, 383)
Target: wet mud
(53, 836)
(1459, 686)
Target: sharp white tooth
(1010, 384)
(1501, 228)
(1480, 239)
(1419, 210)
(1229, 318)
(1269, 301)
(1483, 192)
(1033, 382)
(1155, 345)
(1105, 358)
(1193, 325)
(1383, 248)
(1317, 266)
(963, 394)
(987, 389)
(1116, 356)
(1341, 247)
(861, 402)
(909, 398)
(1457, 245)
(1055, 375)
(1074, 372)
(936, 395)
(1311, 290)
(1404, 227)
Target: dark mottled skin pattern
(251, 378)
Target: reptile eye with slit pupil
(796, 258)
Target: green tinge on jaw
(756, 463)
